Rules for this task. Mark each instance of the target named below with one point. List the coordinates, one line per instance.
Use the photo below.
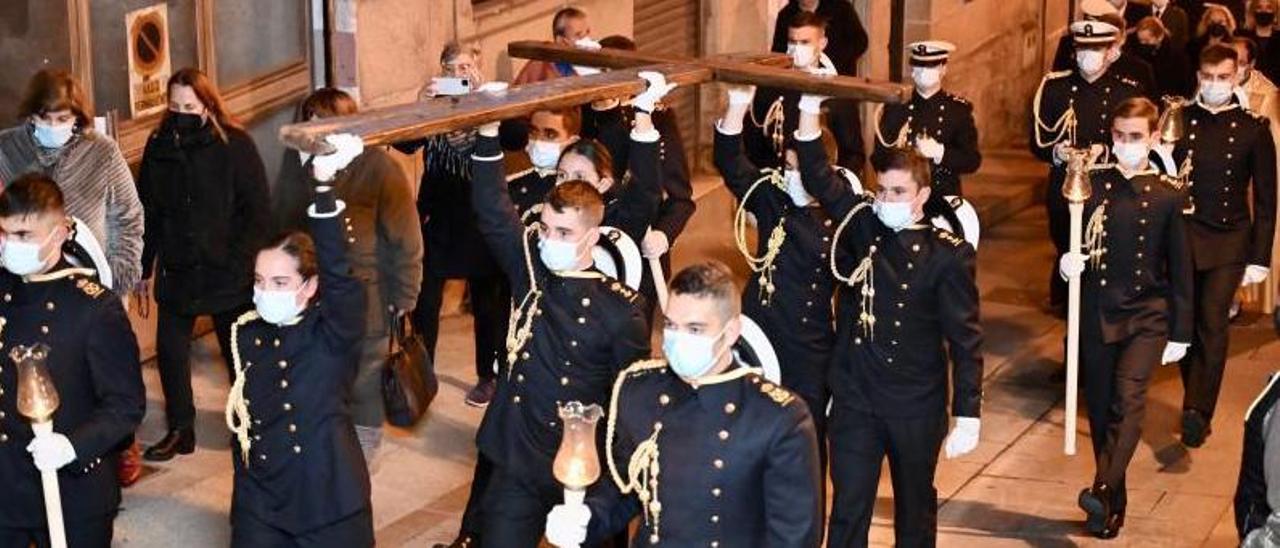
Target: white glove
(493, 87)
(1096, 151)
(963, 438)
(51, 451)
(655, 244)
(930, 148)
(490, 129)
(822, 71)
(567, 524)
(1071, 265)
(587, 43)
(741, 95)
(1174, 352)
(812, 103)
(1254, 274)
(658, 88)
(1060, 155)
(347, 146)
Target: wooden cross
(443, 114)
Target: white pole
(1073, 332)
(52, 496)
(659, 281)
(574, 498)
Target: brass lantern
(577, 464)
(37, 397)
(1172, 125)
(1077, 188)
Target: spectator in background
(57, 139)
(384, 249)
(1126, 64)
(1260, 27)
(1176, 23)
(1153, 43)
(1216, 26)
(846, 42)
(569, 27)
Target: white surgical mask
(276, 306)
(1216, 94)
(543, 154)
(926, 78)
(1090, 61)
(1130, 155)
(895, 215)
(795, 188)
(23, 258)
(558, 255)
(52, 136)
(689, 355)
(802, 55)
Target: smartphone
(452, 86)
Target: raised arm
(738, 172)
(792, 483)
(341, 295)
(677, 205)
(958, 309)
(496, 216)
(642, 195)
(830, 188)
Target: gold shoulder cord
(864, 274)
(773, 246)
(237, 410)
(1093, 241)
(643, 467)
(520, 325)
(903, 132)
(772, 125)
(1064, 127)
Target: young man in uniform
(1135, 304)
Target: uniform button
(586, 302)
(890, 360)
(809, 303)
(275, 343)
(283, 364)
(715, 492)
(857, 340)
(582, 320)
(1102, 282)
(901, 305)
(293, 428)
(715, 519)
(48, 305)
(897, 323)
(664, 399)
(520, 377)
(915, 247)
(719, 464)
(351, 240)
(723, 435)
(524, 355)
(262, 457)
(564, 381)
(573, 343)
(44, 329)
(284, 383)
(2, 415)
(516, 399)
(1139, 255)
(288, 406)
(297, 449)
(257, 342)
(715, 544)
(729, 408)
(905, 287)
(4, 438)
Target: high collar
(61, 269)
(1232, 103)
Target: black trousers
(515, 511)
(859, 443)
(1059, 233)
(491, 307)
(354, 531)
(173, 358)
(93, 533)
(1202, 369)
(1116, 377)
(473, 515)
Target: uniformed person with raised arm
(1135, 303)
(701, 445)
(936, 123)
(92, 356)
(1072, 109)
(911, 306)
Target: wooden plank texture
(725, 70)
(442, 114)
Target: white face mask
(1090, 61)
(802, 55)
(558, 255)
(895, 215)
(276, 306)
(690, 356)
(1130, 155)
(1215, 94)
(926, 78)
(543, 154)
(795, 188)
(23, 258)
(52, 136)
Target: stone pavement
(1017, 489)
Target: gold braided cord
(642, 468)
(904, 132)
(863, 274)
(237, 410)
(1094, 244)
(835, 242)
(520, 325)
(762, 265)
(1063, 127)
(772, 125)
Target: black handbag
(409, 382)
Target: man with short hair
(92, 359)
(1231, 229)
(550, 131)
(733, 457)
(1135, 303)
(1120, 62)
(910, 308)
(569, 27)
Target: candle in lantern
(37, 397)
(577, 464)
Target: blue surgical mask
(690, 356)
(895, 215)
(277, 306)
(1130, 155)
(23, 258)
(52, 136)
(543, 154)
(795, 188)
(1216, 94)
(558, 255)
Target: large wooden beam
(442, 114)
(729, 68)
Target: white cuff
(311, 211)
(651, 136)
(721, 130)
(495, 158)
(803, 138)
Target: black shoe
(1195, 428)
(1112, 527)
(180, 441)
(482, 393)
(463, 541)
(1096, 503)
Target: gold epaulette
(1127, 80)
(519, 174)
(775, 392)
(948, 237)
(1053, 75)
(90, 288)
(961, 99)
(623, 290)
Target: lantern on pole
(37, 401)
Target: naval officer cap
(930, 52)
(1094, 33)
(1097, 8)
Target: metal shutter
(670, 27)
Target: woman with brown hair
(384, 248)
(56, 138)
(204, 190)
